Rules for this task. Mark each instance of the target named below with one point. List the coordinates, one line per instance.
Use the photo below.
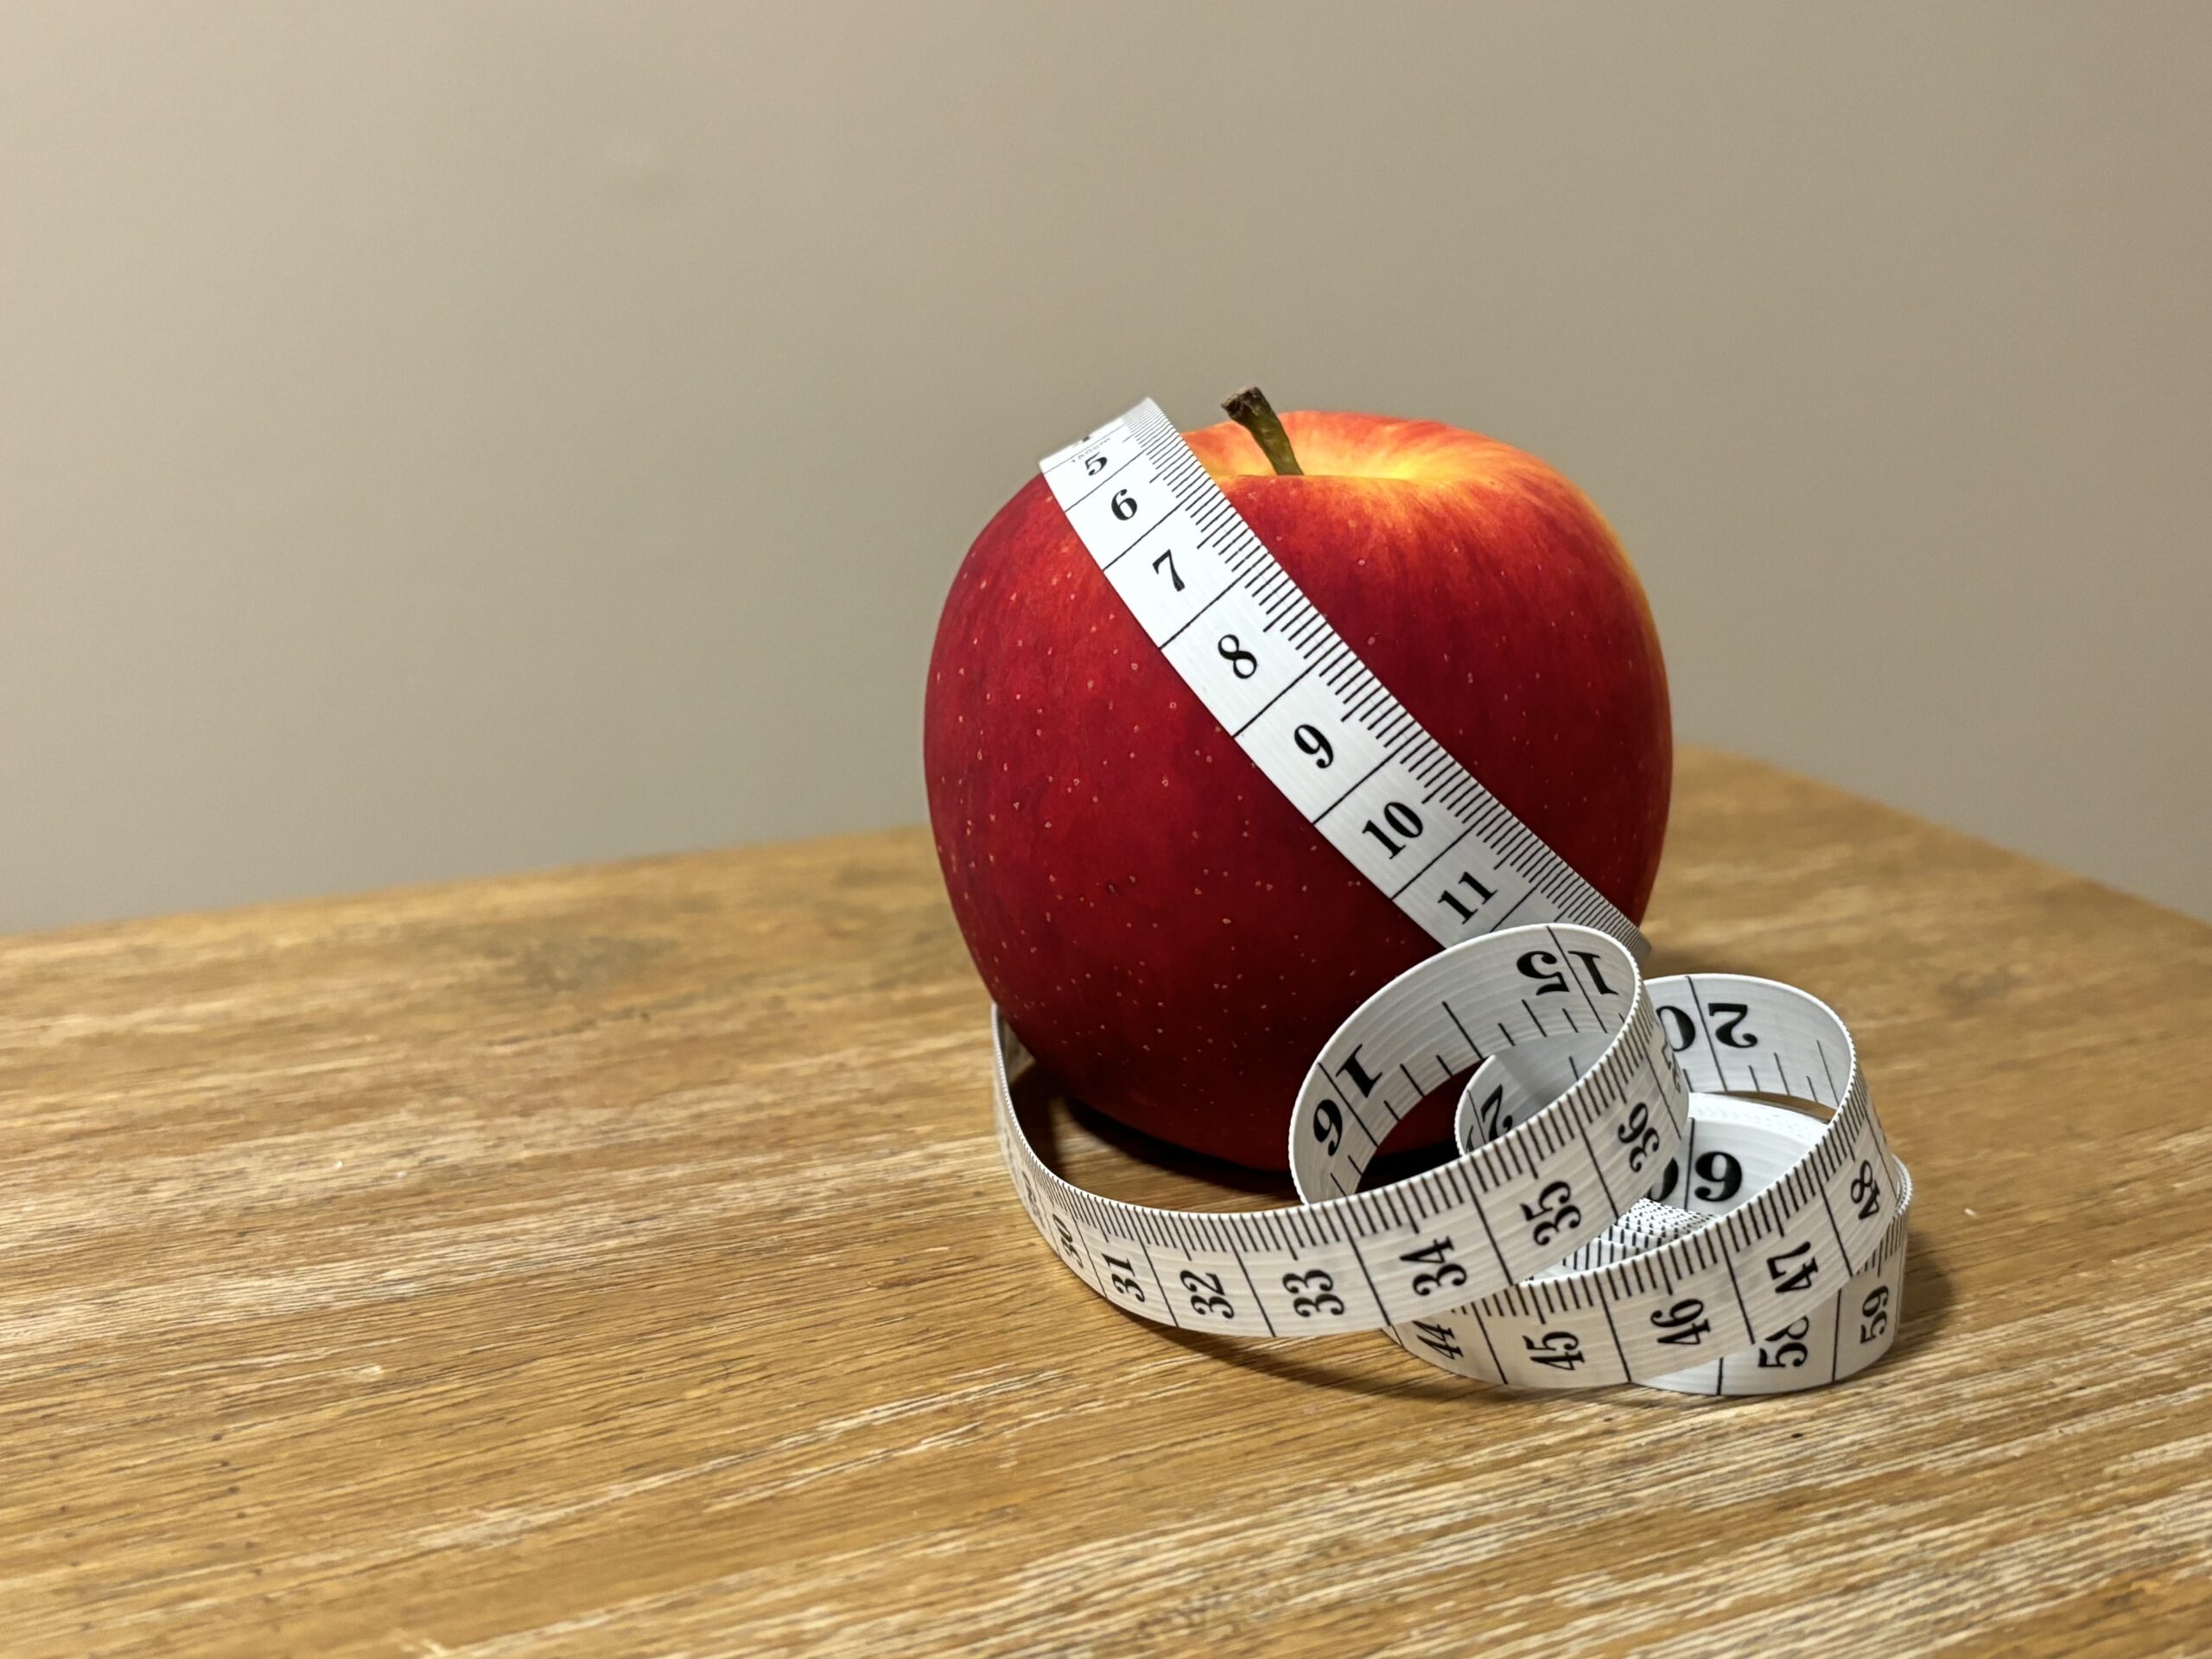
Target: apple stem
(1251, 409)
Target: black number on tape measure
(1168, 559)
(1552, 1214)
(1494, 1122)
(1866, 1191)
(1483, 896)
(1438, 1337)
(1313, 1292)
(1309, 737)
(1242, 663)
(1876, 1308)
(1681, 1031)
(1402, 818)
(1790, 1274)
(1125, 1280)
(1727, 1016)
(1639, 1136)
(1720, 1177)
(1095, 466)
(1665, 1189)
(1560, 1349)
(1543, 967)
(1589, 960)
(1329, 1126)
(1206, 1298)
(1124, 505)
(1444, 1273)
(1358, 1073)
(1684, 1325)
(1791, 1351)
(1068, 1246)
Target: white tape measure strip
(1544, 1254)
(1298, 699)
(1534, 1258)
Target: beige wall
(435, 439)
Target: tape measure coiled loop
(1607, 1219)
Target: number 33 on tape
(1614, 1212)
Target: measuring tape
(1615, 1212)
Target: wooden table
(618, 1262)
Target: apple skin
(1163, 929)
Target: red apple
(1164, 931)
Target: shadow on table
(1928, 1301)
(1047, 1113)
(1276, 1359)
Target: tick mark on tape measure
(1271, 701)
(1479, 1056)
(1348, 794)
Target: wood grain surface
(618, 1262)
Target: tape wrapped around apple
(1165, 931)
